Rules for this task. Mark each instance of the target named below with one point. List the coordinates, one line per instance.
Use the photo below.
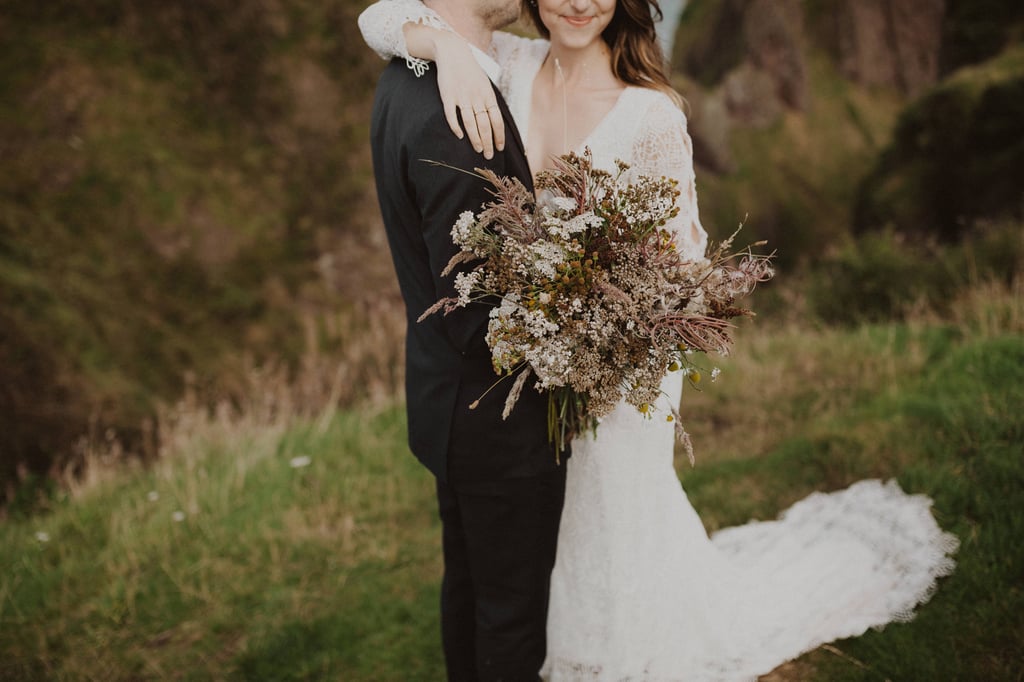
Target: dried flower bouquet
(590, 294)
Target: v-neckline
(524, 131)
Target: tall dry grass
(352, 358)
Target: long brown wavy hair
(637, 58)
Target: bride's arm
(664, 149)
(382, 26)
(409, 29)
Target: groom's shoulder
(409, 102)
(403, 81)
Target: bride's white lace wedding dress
(639, 592)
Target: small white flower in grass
(714, 373)
(299, 462)
(42, 536)
(153, 496)
(178, 516)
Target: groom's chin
(498, 14)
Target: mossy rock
(956, 158)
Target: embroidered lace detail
(417, 65)
(381, 25)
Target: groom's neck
(465, 19)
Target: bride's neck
(467, 24)
(579, 69)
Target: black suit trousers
(499, 541)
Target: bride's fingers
(497, 126)
(483, 122)
(451, 115)
(472, 129)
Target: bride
(639, 592)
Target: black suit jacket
(448, 364)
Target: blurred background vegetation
(196, 294)
(185, 193)
(186, 189)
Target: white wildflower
(714, 373)
(153, 496)
(549, 202)
(178, 516)
(538, 324)
(546, 258)
(551, 362)
(566, 229)
(463, 228)
(465, 283)
(299, 462)
(42, 536)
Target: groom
(499, 488)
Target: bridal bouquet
(591, 296)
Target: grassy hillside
(185, 186)
(234, 557)
(956, 156)
(794, 180)
(788, 168)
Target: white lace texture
(639, 592)
(381, 25)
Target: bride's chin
(574, 42)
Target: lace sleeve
(663, 148)
(381, 25)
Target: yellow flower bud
(674, 367)
(694, 376)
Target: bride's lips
(578, 21)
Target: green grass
(331, 571)
(275, 573)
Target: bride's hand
(465, 89)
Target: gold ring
(477, 113)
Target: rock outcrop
(751, 58)
(889, 43)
